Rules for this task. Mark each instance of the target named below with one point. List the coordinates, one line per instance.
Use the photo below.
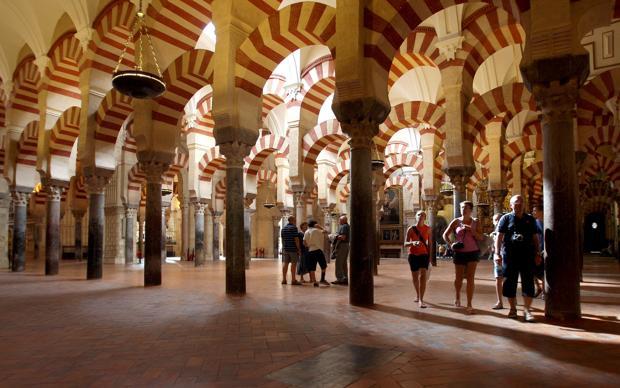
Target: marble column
(185, 229)
(154, 170)
(216, 235)
(235, 152)
(430, 202)
(78, 216)
(208, 242)
(555, 83)
(459, 177)
(5, 203)
(130, 222)
(247, 233)
(52, 229)
(96, 181)
(497, 198)
(363, 237)
(20, 218)
(199, 222)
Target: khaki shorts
(290, 257)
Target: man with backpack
(418, 241)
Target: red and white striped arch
(396, 147)
(317, 70)
(337, 172)
(111, 114)
(180, 162)
(409, 114)
(607, 135)
(594, 95)
(25, 99)
(265, 146)
(273, 94)
(389, 23)
(64, 72)
(344, 193)
(189, 73)
(396, 162)
(486, 31)
(3, 97)
(519, 146)
(416, 51)
(601, 164)
(328, 134)
(64, 133)
(136, 178)
(204, 124)
(399, 181)
(220, 190)
(532, 128)
(481, 155)
(298, 25)
(314, 98)
(112, 27)
(507, 99)
(179, 22)
(532, 178)
(265, 175)
(211, 162)
(130, 145)
(27, 145)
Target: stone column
(300, 206)
(164, 230)
(216, 235)
(185, 229)
(20, 218)
(199, 228)
(96, 180)
(363, 238)
(430, 203)
(459, 177)
(78, 215)
(497, 198)
(154, 170)
(140, 236)
(208, 220)
(555, 84)
(335, 217)
(276, 236)
(130, 221)
(5, 202)
(52, 230)
(235, 152)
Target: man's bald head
(343, 220)
(516, 204)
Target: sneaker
(528, 317)
(512, 313)
(497, 306)
(325, 282)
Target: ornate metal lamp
(137, 82)
(376, 159)
(270, 200)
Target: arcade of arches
(316, 109)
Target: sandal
(423, 305)
(457, 303)
(497, 306)
(416, 300)
(470, 310)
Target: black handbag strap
(417, 232)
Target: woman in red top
(418, 241)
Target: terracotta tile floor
(66, 331)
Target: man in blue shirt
(292, 250)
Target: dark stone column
(498, 197)
(430, 203)
(555, 84)
(130, 221)
(235, 152)
(96, 180)
(52, 230)
(199, 227)
(140, 236)
(78, 216)
(185, 229)
(459, 177)
(363, 236)
(154, 166)
(216, 235)
(20, 217)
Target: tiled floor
(66, 331)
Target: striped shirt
(289, 233)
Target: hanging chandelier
(139, 83)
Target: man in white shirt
(313, 239)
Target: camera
(517, 237)
(457, 245)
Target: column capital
(459, 176)
(361, 133)
(235, 152)
(131, 211)
(430, 203)
(20, 198)
(96, 179)
(54, 193)
(154, 164)
(78, 214)
(358, 111)
(248, 199)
